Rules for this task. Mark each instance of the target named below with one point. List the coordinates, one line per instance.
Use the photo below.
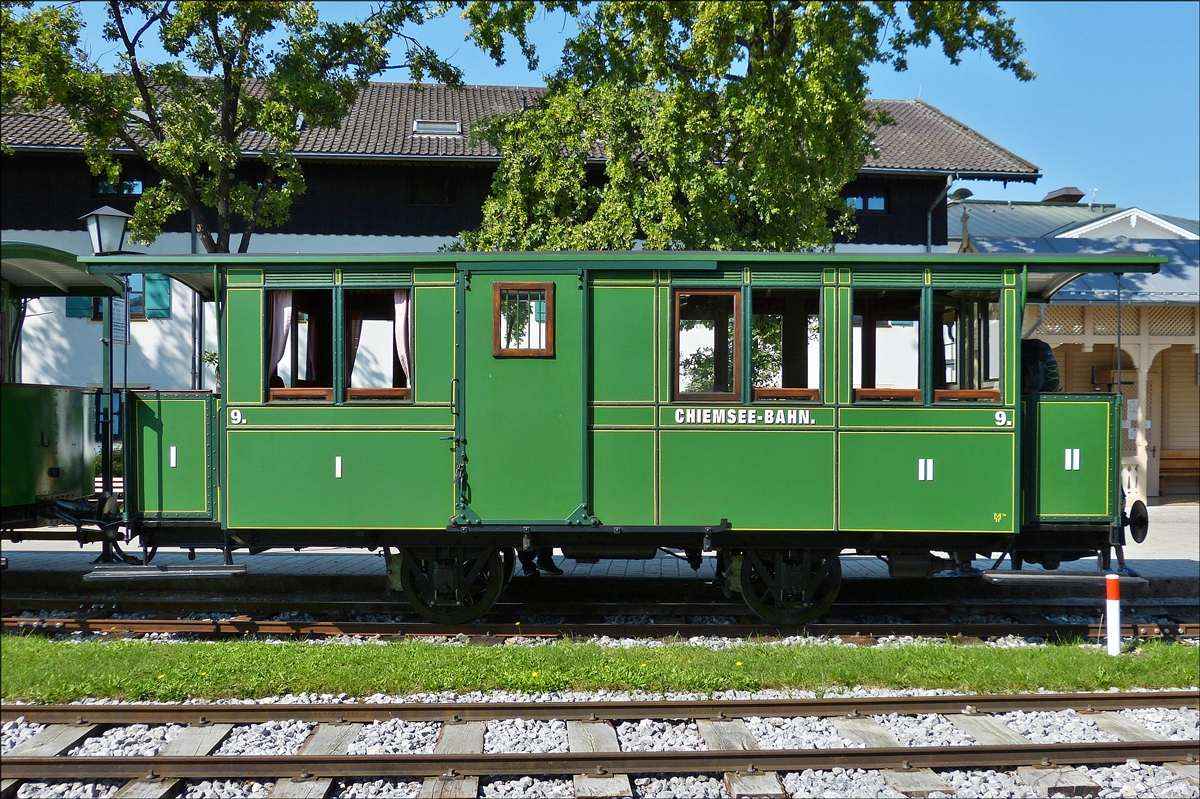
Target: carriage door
(521, 396)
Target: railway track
(485, 633)
(595, 761)
(108, 615)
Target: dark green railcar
(48, 434)
(775, 408)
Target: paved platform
(1170, 553)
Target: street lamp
(106, 226)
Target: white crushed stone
(1178, 725)
(700, 786)
(838, 782)
(799, 732)
(98, 789)
(525, 736)
(972, 784)
(381, 789)
(1055, 727)
(396, 737)
(227, 789)
(136, 740)
(530, 787)
(925, 729)
(17, 732)
(270, 738)
(649, 735)
(1134, 779)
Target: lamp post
(106, 227)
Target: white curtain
(281, 323)
(400, 298)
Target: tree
(709, 125)
(222, 141)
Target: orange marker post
(1112, 584)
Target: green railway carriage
(776, 408)
(48, 433)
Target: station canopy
(35, 270)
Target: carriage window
(966, 346)
(523, 320)
(887, 345)
(785, 346)
(377, 350)
(300, 345)
(708, 344)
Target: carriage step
(1051, 578)
(122, 572)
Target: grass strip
(39, 669)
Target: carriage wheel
(790, 587)
(451, 586)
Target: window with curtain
(300, 345)
(378, 354)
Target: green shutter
(158, 297)
(79, 306)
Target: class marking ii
(925, 470)
(1072, 460)
(790, 417)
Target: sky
(1115, 107)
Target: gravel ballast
(530, 787)
(525, 736)
(1178, 725)
(17, 732)
(698, 786)
(800, 732)
(396, 737)
(136, 740)
(379, 789)
(926, 729)
(1060, 727)
(650, 735)
(273, 738)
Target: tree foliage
(707, 125)
(223, 142)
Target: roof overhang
(35, 270)
(957, 174)
(1046, 273)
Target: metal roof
(1022, 219)
(922, 139)
(1177, 283)
(39, 271)
(1026, 219)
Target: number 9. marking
(235, 417)
(1001, 418)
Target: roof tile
(380, 125)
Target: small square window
(523, 320)
(433, 191)
(128, 188)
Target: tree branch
(139, 78)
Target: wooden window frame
(972, 394)
(377, 393)
(304, 393)
(895, 394)
(736, 394)
(787, 393)
(500, 351)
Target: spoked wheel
(790, 587)
(451, 585)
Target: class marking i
(337, 467)
(925, 470)
(174, 457)
(1071, 460)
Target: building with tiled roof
(401, 174)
